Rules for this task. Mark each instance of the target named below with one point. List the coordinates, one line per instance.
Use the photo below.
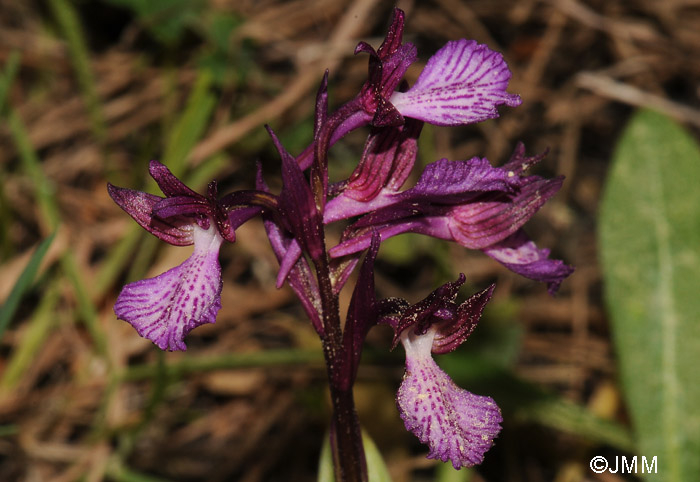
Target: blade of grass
(38, 329)
(444, 472)
(116, 470)
(6, 79)
(376, 467)
(23, 283)
(11, 68)
(119, 256)
(72, 30)
(190, 126)
(44, 192)
(185, 366)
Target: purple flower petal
(519, 254)
(362, 315)
(297, 204)
(300, 276)
(457, 425)
(168, 183)
(182, 206)
(165, 308)
(461, 84)
(386, 163)
(480, 224)
(454, 332)
(139, 205)
(451, 180)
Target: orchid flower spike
(165, 308)
(457, 425)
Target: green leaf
(650, 248)
(23, 283)
(376, 468)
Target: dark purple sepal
(453, 332)
(237, 217)
(139, 205)
(297, 204)
(519, 162)
(520, 255)
(168, 183)
(362, 315)
(341, 268)
(288, 261)
(387, 66)
(321, 111)
(299, 276)
(182, 206)
(436, 307)
(394, 35)
(385, 114)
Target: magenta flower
(471, 202)
(457, 425)
(165, 308)
(461, 84)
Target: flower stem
(349, 460)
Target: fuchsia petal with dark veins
(442, 182)
(461, 84)
(165, 308)
(477, 225)
(139, 205)
(457, 425)
(520, 255)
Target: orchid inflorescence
(470, 202)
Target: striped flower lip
(461, 84)
(457, 425)
(166, 308)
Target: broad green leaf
(376, 469)
(650, 248)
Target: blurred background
(92, 90)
